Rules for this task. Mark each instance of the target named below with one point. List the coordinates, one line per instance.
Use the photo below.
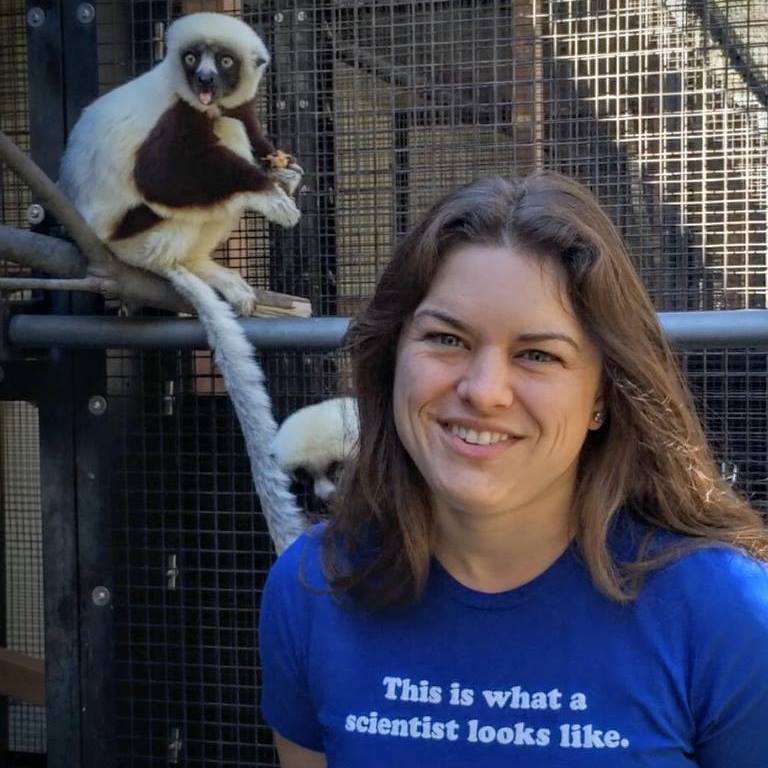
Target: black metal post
(92, 443)
(303, 122)
(4, 734)
(74, 460)
(57, 493)
(92, 476)
(59, 515)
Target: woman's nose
(486, 382)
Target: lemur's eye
(190, 59)
(227, 62)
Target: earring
(597, 417)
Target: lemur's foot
(237, 292)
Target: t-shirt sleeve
(729, 680)
(286, 702)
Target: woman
(533, 562)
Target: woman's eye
(445, 339)
(227, 62)
(538, 356)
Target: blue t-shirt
(546, 675)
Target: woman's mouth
(473, 437)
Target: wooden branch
(130, 284)
(107, 286)
(41, 253)
(53, 200)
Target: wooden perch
(22, 677)
(94, 267)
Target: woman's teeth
(478, 438)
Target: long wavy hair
(650, 456)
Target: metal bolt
(35, 17)
(97, 405)
(303, 103)
(35, 213)
(86, 13)
(279, 17)
(301, 16)
(101, 596)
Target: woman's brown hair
(650, 457)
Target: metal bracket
(729, 471)
(158, 42)
(169, 397)
(174, 746)
(172, 573)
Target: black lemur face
(212, 71)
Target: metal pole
(47, 133)
(82, 332)
(689, 330)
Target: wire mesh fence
(14, 115)
(660, 106)
(21, 563)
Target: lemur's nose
(205, 78)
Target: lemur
(162, 168)
(318, 440)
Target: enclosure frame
(60, 365)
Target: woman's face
(496, 384)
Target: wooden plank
(22, 677)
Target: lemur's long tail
(244, 380)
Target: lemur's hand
(288, 177)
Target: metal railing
(688, 330)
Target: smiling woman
(493, 400)
(533, 560)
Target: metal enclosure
(153, 549)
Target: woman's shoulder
(714, 584)
(693, 569)
(300, 564)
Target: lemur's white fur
(97, 174)
(97, 167)
(317, 436)
(245, 383)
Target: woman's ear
(598, 413)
